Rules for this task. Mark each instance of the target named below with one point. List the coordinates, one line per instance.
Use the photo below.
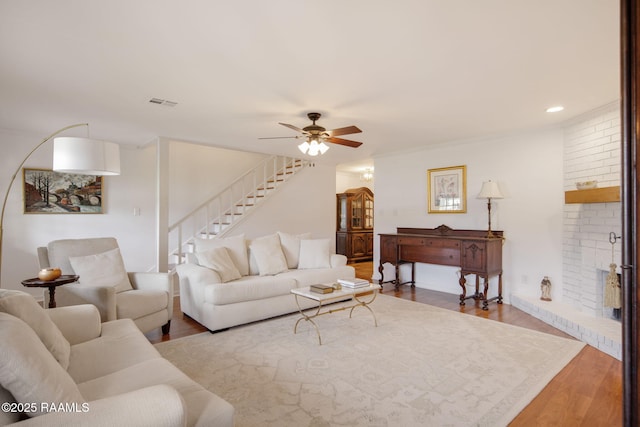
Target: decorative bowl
(586, 185)
(49, 274)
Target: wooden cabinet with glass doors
(354, 236)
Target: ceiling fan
(315, 136)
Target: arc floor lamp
(82, 156)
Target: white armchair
(146, 298)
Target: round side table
(51, 284)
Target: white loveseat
(233, 281)
(62, 367)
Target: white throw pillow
(268, 255)
(315, 253)
(291, 247)
(236, 245)
(218, 259)
(29, 371)
(102, 270)
(24, 306)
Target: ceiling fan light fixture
(314, 148)
(304, 147)
(323, 147)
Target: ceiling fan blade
(297, 129)
(281, 137)
(347, 142)
(344, 131)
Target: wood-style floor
(587, 392)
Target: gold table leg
(308, 318)
(354, 297)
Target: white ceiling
(407, 72)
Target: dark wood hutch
(354, 235)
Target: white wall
(202, 171)
(306, 204)
(347, 180)
(528, 168)
(23, 233)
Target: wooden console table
(471, 250)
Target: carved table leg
(500, 288)
(381, 271)
(52, 297)
(397, 281)
(485, 303)
(413, 274)
(462, 283)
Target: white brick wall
(591, 152)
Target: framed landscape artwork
(49, 192)
(447, 189)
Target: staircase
(230, 207)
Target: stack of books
(321, 289)
(353, 283)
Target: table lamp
(490, 190)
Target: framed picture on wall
(447, 189)
(49, 192)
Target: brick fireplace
(591, 152)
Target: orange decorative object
(48, 274)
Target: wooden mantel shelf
(593, 195)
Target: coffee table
(356, 295)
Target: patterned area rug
(422, 366)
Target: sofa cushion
(203, 408)
(220, 261)
(102, 270)
(325, 276)
(120, 345)
(315, 253)
(24, 306)
(29, 371)
(8, 417)
(132, 305)
(291, 247)
(236, 245)
(248, 288)
(268, 255)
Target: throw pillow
(102, 270)
(28, 371)
(236, 245)
(268, 255)
(315, 253)
(218, 260)
(291, 247)
(24, 306)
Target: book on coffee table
(354, 283)
(321, 289)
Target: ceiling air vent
(163, 102)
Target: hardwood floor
(587, 392)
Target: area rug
(421, 366)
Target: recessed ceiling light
(555, 109)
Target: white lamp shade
(490, 190)
(323, 147)
(86, 156)
(304, 147)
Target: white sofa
(100, 374)
(266, 269)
